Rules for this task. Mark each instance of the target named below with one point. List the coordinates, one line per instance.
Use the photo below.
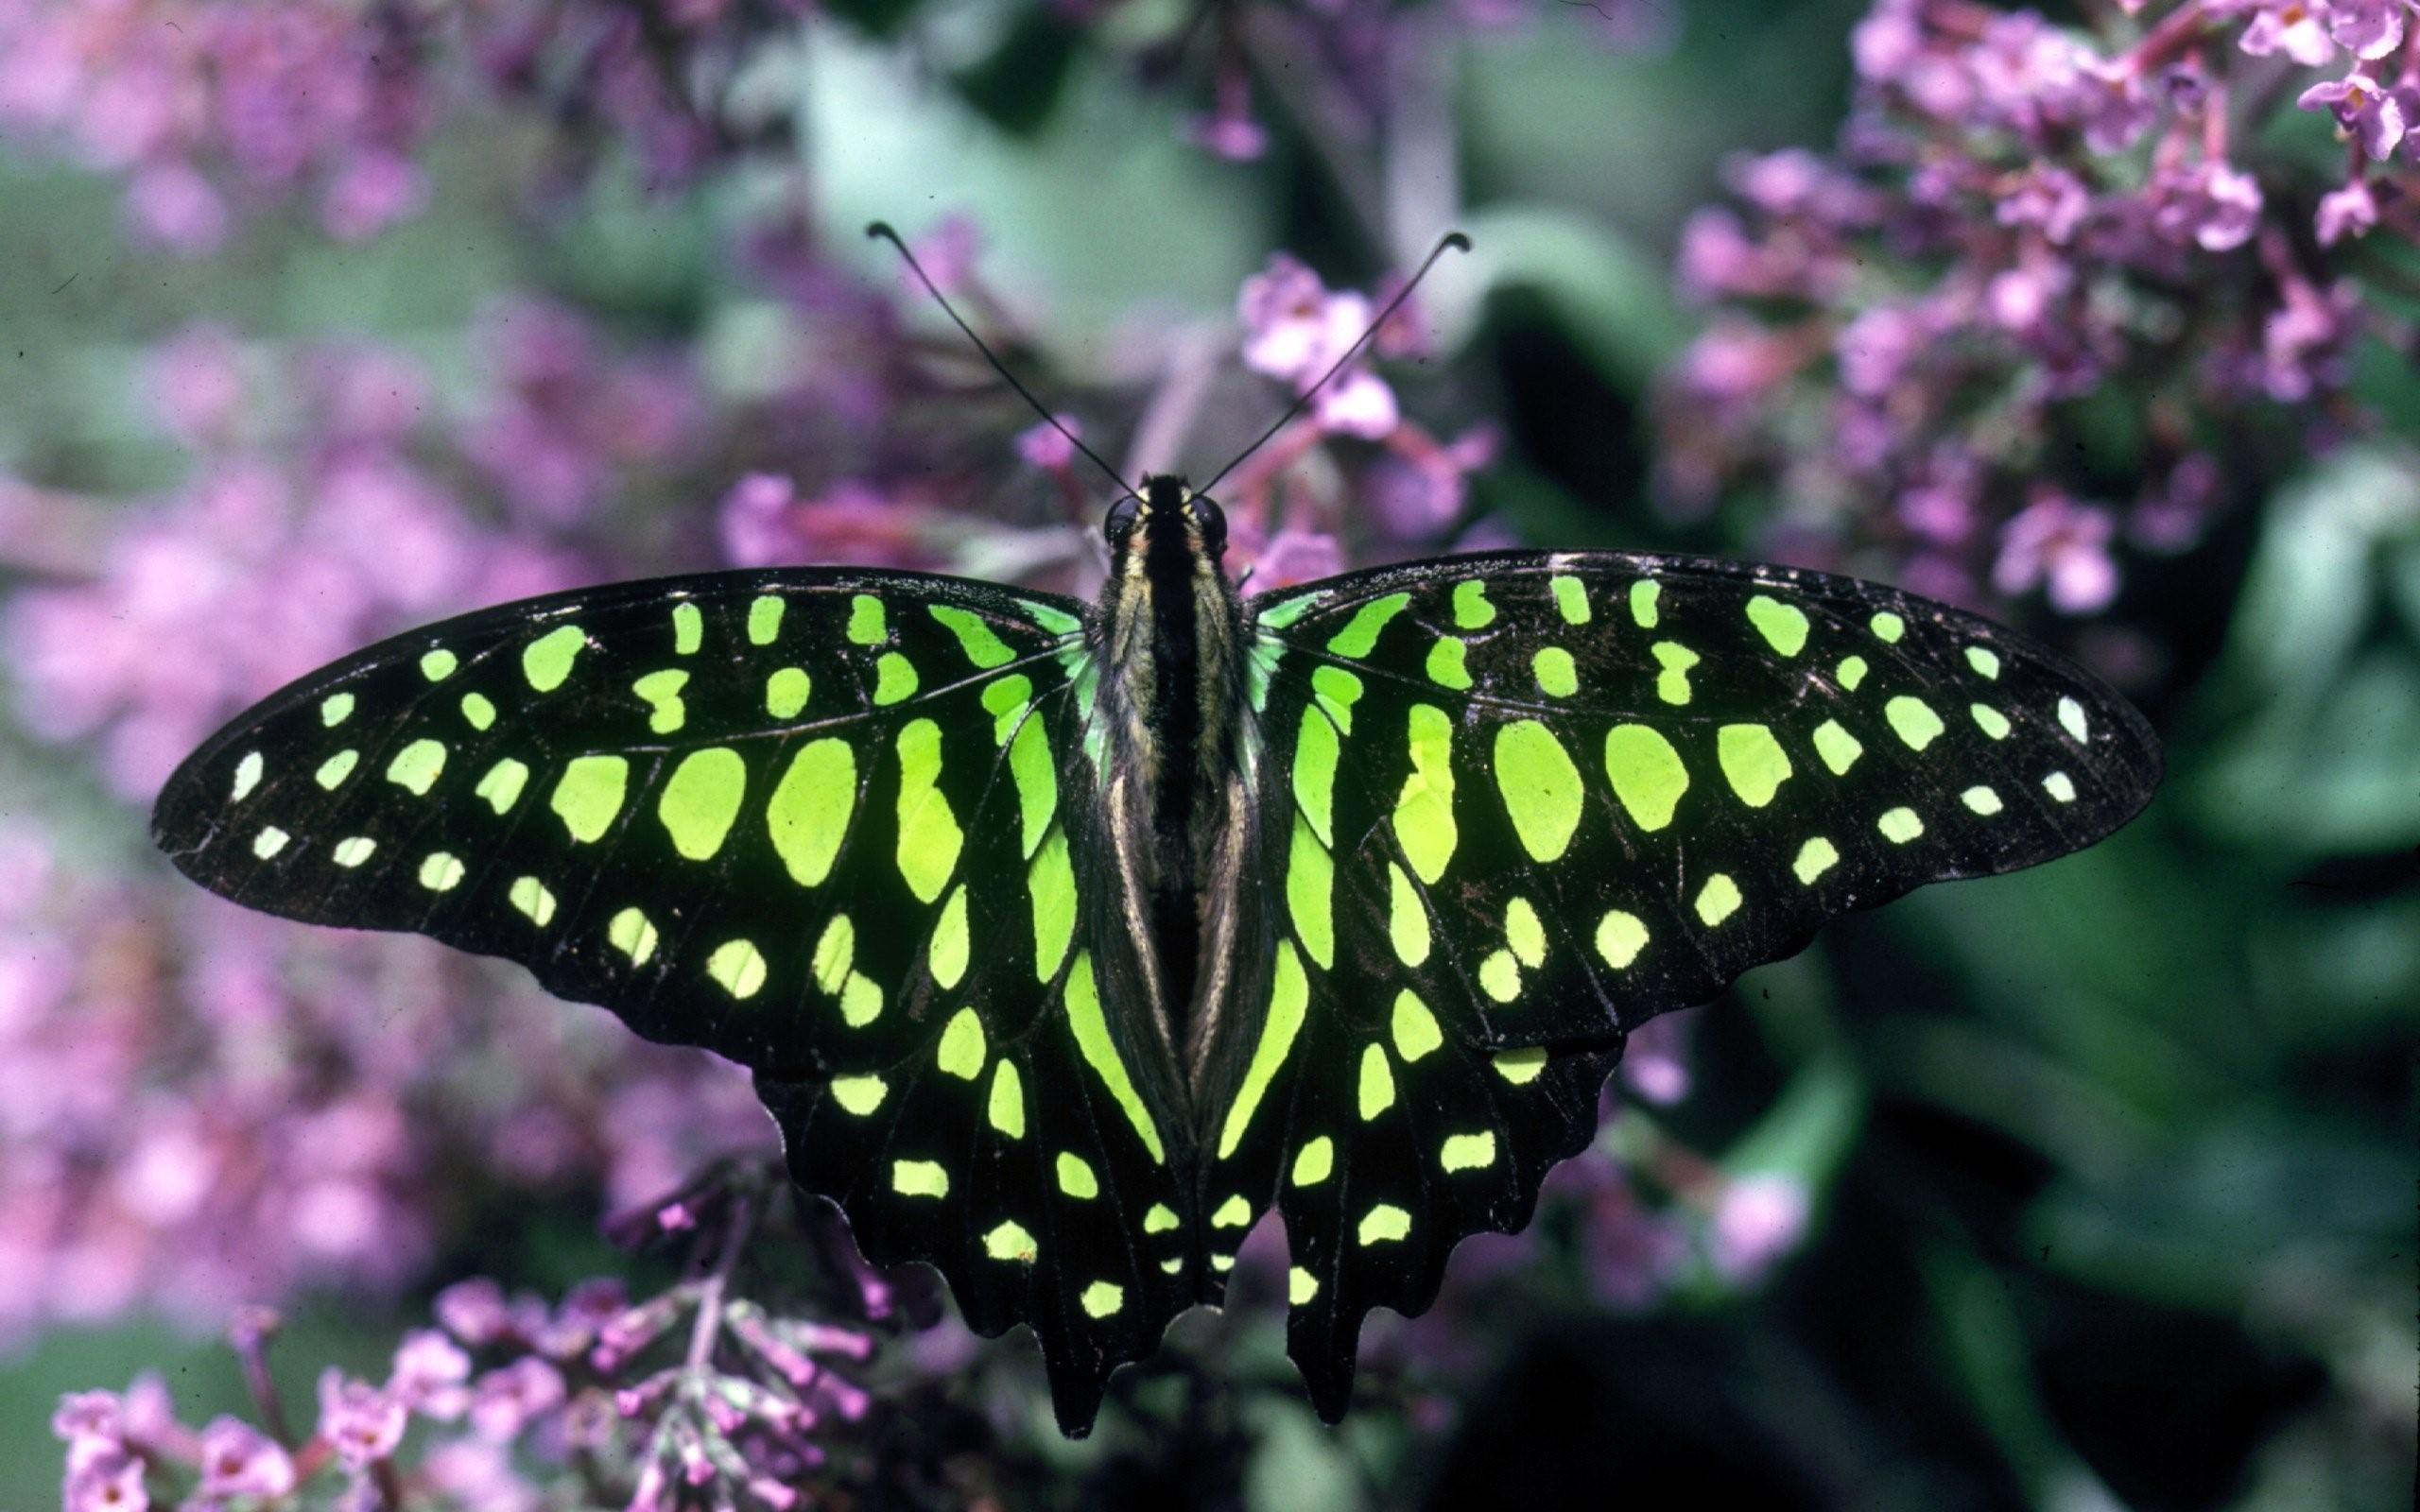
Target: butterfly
(1066, 939)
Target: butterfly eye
(1123, 516)
(1214, 522)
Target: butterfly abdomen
(1172, 680)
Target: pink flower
(2363, 110)
(110, 1483)
(1043, 447)
(1293, 328)
(172, 206)
(1295, 557)
(239, 1460)
(505, 1400)
(2295, 27)
(2367, 28)
(1231, 135)
(429, 1376)
(2214, 205)
(2304, 343)
(2057, 542)
(1757, 1219)
(2346, 212)
(90, 1422)
(361, 1423)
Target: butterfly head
(1167, 517)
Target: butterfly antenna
(881, 230)
(1451, 241)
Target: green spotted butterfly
(1064, 940)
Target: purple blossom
(361, 1423)
(429, 1376)
(2213, 205)
(108, 1482)
(2346, 212)
(2297, 28)
(239, 1460)
(505, 1400)
(1757, 1219)
(2369, 29)
(2063, 545)
(2366, 112)
(2009, 205)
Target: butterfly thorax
(1172, 689)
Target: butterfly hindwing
(816, 821)
(1517, 804)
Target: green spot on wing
(1100, 1052)
(1472, 612)
(590, 794)
(811, 807)
(1360, 633)
(1413, 1028)
(1376, 1092)
(1054, 621)
(962, 1052)
(1782, 626)
(533, 899)
(1718, 900)
(894, 678)
(1540, 786)
(1913, 719)
(929, 836)
(859, 1095)
(764, 618)
(1424, 815)
(1005, 1108)
(416, 766)
(866, 622)
(976, 637)
(701, 798)
(1646, 772)
(501, 787)
(546, 661)
(786, 692)
(1558, 675)
(951, 944)
(1051, 881)
(1753, 761)
(1289, 998)
(1310, 883)
(1279, 616)
(1447, 664)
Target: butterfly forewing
(812, 820)
(1519, 803)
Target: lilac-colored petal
(239, 1460)
(2292, 27)
(2347, 212)
(1757, 1219)
(2367, 28)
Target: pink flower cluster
(204, 107)
(207, 1105)
(690, 1398)
(1404, 491)
(2020, 221)
(213, 108)
(1299, 508)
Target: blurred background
(2092, 1187)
